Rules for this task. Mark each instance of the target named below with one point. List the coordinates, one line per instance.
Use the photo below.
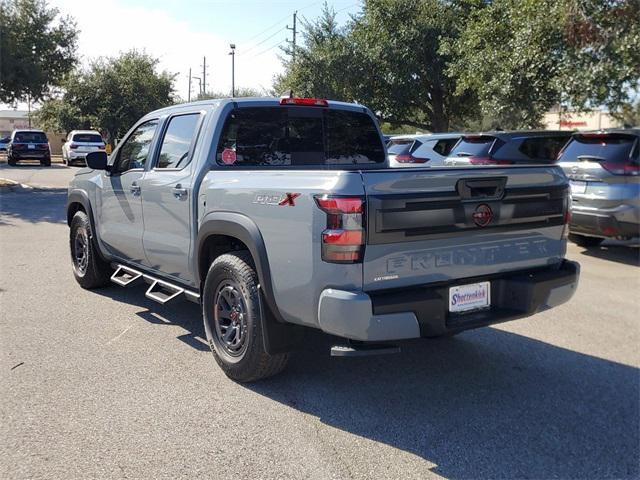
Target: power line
(270, 48)
(279, 22)
(260, 43)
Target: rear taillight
(567, 215)
(408, 158)
(101, 147)
(43, 145)
(309, 102)
(488, 161)
(618, 168)
(73, 146)
(17, 146)
(343, 240)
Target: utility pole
(233, 69)
(294, 31)
(189, 94)
(29, 107)
(204, 75)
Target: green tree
(521, 57)
(388, 58)
(110, 95)
(240, 92)
(37, 49)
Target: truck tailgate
(443, 225)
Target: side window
(443, 147)
(134, 151)
(177, 140)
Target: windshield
(396, 147)
(27, 137)
(299, 136)
(472, 146)
(87, 138)
(609, 147)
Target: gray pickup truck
(281, 214)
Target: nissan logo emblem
(483, 215)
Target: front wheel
(584, 241)
(89, 269)
(232, 313)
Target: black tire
(231, 287)
(11, 161)
(584, 241)
(46, 162)
(89, 269)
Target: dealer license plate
(464, 298)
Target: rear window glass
(87, 138)
(444, 147)
(299, 136)
(543, 148)
(396, 147)
(24, 137)
(472, 146)
(612, 148)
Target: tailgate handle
(481, 188)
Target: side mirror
(97, 160)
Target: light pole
(233, 69)
(199, 84)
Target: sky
(181, 33)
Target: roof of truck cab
(240, 100)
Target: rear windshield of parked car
(399, 146)
(87, 138)
(472, 146)
(26, 137)
(298, 136)
(609, 147)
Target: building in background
(11, 120)
(593, 120)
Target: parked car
(428, 150)
(278, 214)
(4, 143)
(29, 144)
(508, 148)
(604, 171)
(78, 144)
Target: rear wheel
(232, 313)
(584, 241)
(11, 161)
(46, 162)
(89, 269)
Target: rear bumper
(423, 311)
(25, 154)
(621, 221)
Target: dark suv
(508, 148)
(29, 144)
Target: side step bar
(159, 291)
(163, 292)
(125, 276)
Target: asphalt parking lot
(109, 384)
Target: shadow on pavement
(37, 205)
(625, 254)
(486, 404)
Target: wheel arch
(241, 229)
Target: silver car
(426, 150)
(604, 170)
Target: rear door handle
(178, 191)
(135, 188)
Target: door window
(135, 150)
(176, 144)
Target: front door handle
(178, 191)
(135, 188)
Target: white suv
(79, 143)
